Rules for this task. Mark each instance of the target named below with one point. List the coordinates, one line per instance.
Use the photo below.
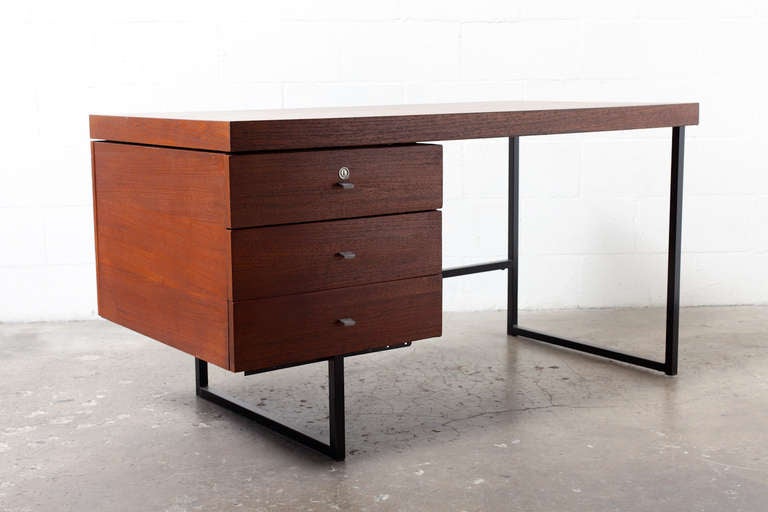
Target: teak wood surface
(256, 130)
(162, 259)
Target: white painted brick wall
(594, 206)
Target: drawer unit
(280, 330)
(247, 261)
(297, 258)
(302, 186)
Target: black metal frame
(669, 365)
(335, 448)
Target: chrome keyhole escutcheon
(344, 173)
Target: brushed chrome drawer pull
(346, 322)
(345, 185)
(347, 255)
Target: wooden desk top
(256, 130)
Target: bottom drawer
(297, 328)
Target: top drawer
(301, 186)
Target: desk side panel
(162, 254)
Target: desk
(257, 240)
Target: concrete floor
(95, 417)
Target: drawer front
(298, 258)
(299, 328)
(301, 186)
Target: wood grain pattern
(300, 258)
(163, 261)
(181, 183)
(257, 130)
(301, 186)
(160, 132)
(193, 324)
(282, 330)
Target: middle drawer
(299, 258)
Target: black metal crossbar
(590, 349)
(476, 269)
